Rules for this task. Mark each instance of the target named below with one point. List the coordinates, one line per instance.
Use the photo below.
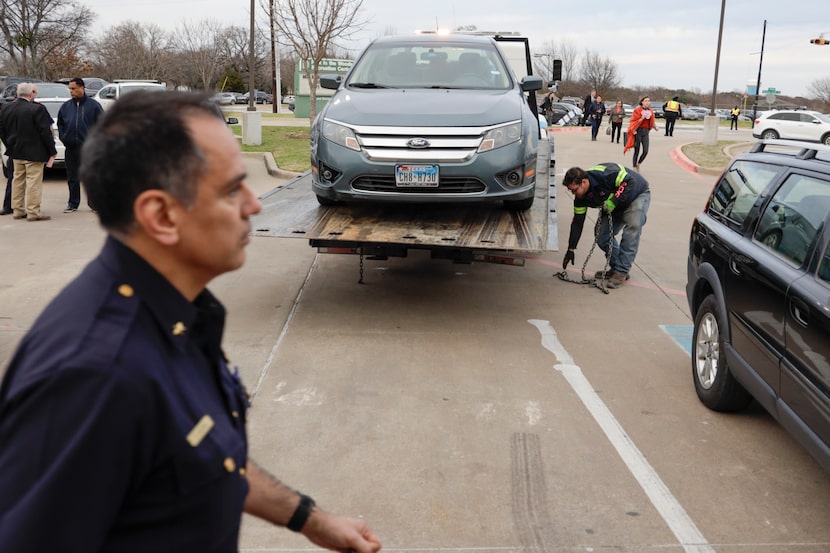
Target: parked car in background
(289, 99)
(724, 114)
(690, 113)
(793, 125)
(565, 114)
(260, 98)
(8, 86)
(657, 107)
(110, 93)
(240, 98)
(427, 119)
(224, 98)
(758, 282)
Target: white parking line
(666, 504)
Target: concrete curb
(687, 164)
(271, 165)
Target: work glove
(569, 258)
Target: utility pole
(758, 84)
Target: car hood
(420, 107)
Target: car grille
(449, 185)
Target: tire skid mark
(529, 494)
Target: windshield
(419, 65)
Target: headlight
(501, 136)
(340, 135)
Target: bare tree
(312, 27)
(599, 73)
(199, 47)
(820, 88)
(35, 31)
(134, 51)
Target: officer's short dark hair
(574, 175)
(143, 142)
(78, 82)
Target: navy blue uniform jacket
(121, 427)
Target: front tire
(769, 134)
(716, 388)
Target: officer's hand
(569, 258)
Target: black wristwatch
(301, 514)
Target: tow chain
(600, 283)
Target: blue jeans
(630, 221)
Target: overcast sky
(671, 44)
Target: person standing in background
(616, 115)
(586, 105)
(33, 148)
(75, 118)
(597, 112)
(671, 111)
(734, 121)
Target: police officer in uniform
(672, 112)
(121, 422)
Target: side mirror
(331, 82)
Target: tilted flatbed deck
(472, 232)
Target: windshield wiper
(368, 85)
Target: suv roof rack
(807, 150)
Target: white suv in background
(113, 91)
(793, 125)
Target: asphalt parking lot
(482, 407)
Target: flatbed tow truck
(460, 233)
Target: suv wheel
(716, 388)
(769, 134)
(826, 139)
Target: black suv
(759, 290)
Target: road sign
(772, 91)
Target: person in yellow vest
(734, 122)
(671, 111)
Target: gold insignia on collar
(126, 290)
(179, 329)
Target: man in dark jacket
(75, 118)
(624, 195)
(33, 147)
(9, 167)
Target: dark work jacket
(5, 135)
(613, 187)
(75, 118)
(30, 129)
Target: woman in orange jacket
(642, 121)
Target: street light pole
(758, 84)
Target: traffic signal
(820, 41)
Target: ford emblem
(417, 143)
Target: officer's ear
(156, 213)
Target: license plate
(416, 176)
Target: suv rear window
(738, 189)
